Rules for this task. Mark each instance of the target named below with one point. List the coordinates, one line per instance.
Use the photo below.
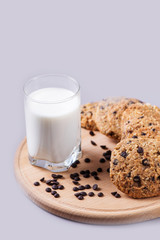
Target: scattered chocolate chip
(75, 189)
(99, 169)
(137, 179)
(42, 179)
(143, 134)
(74, 165)
(54, 175)
(124, 154)
(72, 176)
(87, 186)
(94, 173)
(48, 189)
(56, 195)
(81, 187)
(77, 162)
(87, 160)
(91, 194)
(77, 179)
(100, 194)
(145, 162)
(117, 195)
(102, 160)
(96, 178)
(49, 182)
(93, 143)
(104, 147)
(83, 193)
(115, 162)
(53, 192)
(86, 175)
(77, 194)
(82, 172)
(87, 171)
(55, 187)
(108, 170)
(59, 176)
(36, 183)
(91, 133)
(60, 187)
(140, 150)
(75, 182)
(95, 187)
(113, 193)
(80, 197)
(134, 136)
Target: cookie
(88, 116)
(139, 116)
(135, 167)
(109, 113)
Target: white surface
(111, 47)
(49, 125)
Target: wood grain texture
(95, 210)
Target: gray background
(111, 47)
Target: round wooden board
(95, 210)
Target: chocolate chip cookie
(135, 167)
(88, 116)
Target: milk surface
(53, 129)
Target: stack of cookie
(135, 161)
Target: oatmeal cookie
(88, 116)
(135, 167)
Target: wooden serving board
(95, 210)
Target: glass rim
(51, 75)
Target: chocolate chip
(140, 150)
(95, 187)
(87, 160)
(145, 162)
(75, 182)
(82, 172)
(141, 117)
(83, 193)
(117, 195)
(56, 195)
(128, 174)
(53, 192)
(96, 178)
(134, 136)
(42, 179)
(129, 142)
(93, 143)
(137, 179)
(100, 194)
(111, 133)
(49, 182)
(80, 197)
(77, 179)
(55, 187)
(87, 171)
(48, 189)
(104, 147)
(59, 176)
(86, 175)
(82, 112)
(75, 189)
(143, 134)
(99, 169)
(108, 170)
(150, 124)
(115, 162)
(36, 183)
(81, 187)
(54, 175)
(74, 165)
(91, 133)
(158, 153)
(153, 129)
(153, 179)
(102, 160)
(94, 173)
(87, 186)
(115, 112)
(77, 162)
(60, 187)
(91, 194)
(77, 194)
(113, 193)
(124, 154)
(158, 177)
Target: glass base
(57, 167)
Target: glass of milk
(52, 114)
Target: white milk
(53, 129)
